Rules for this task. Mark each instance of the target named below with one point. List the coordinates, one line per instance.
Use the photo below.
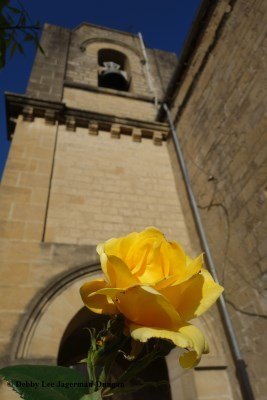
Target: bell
(113, 77)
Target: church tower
(88, 162)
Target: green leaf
(92, 396)
(91, 354)
(45, 382)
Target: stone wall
(104, 186)
(48, 72)
(220, 113)
(72, 57)
(63, 192)
(87, 39)
(109, 104)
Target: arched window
(113, 70)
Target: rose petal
(145, 306)
(119, 274)
(144, 257)
(177, 258)
(186, 273)
(195, 296)
(95, 302)
(151, 270)
(200, 346)
(187, 336)
(120, 247)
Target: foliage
(60, 383)
(16, 28)
(43, 382)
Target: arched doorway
(75, 344)
(53, 320)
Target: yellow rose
(157, 288)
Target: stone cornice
(52, 111)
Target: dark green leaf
(41, 49)
(28, 37)
(38, 377)
(20, 48)
(14, 10)
(2, 52)
(109, 361)
(92, 396)
(23, 20)
(37, 43)
(137, 366)
(7, 42)
(13, 49)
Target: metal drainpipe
(146, 63)
(240, 364)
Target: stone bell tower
(88, 161)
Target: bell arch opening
(74, 346)
(113, 70)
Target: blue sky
(163, 24)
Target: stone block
(136, 135)
(28, 212)
(157, 138)
(33, 231)
(115, 132)
(10, 193)
(70, 124)
(50, 117)
(28, 114)
(11, 229)
(93, 128)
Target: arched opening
(51, 329)
(113, 70)
(74, 347)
